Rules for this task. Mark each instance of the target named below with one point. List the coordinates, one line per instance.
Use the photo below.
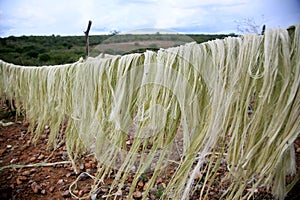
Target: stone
(2, 151)
(41, 157)
(66, 194)
(140, 184)
(19, 182)
(137, 195)
(14, 160)
(35, 187)
(87, 165)
(22, 178)
(26, 173)
(51, 189)
(60, 181)
(32, 159)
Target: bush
(32, 54)
(154, 46)
(44, 57)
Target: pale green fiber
(236, 99)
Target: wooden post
(263, 29)
(87, 38)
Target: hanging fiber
(236, 99)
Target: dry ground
(53, 182)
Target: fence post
(87, 38)
(263, 29)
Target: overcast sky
(70, 17)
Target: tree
(115, 32)
(249, 25)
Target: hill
(55, 49)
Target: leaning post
(87, 39)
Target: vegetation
(55, 49)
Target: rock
(93, 196)
(137, 195)
(145, 186)
(43, 192)
(105, 190)
(118, 193)
(128, 142)
(66, 194)
(298, 150)
(80, 193)
(19, 182)
(94, 165)
(133, 169)
(87, 165)
(22, 178)
(45, 184)
(89, 170)
(41, 157)
(14, 160)
(140, 183)
(35, 187)
(81, 166)
(51, 189)
(43, 136)
(60, 181)
(70, 174)
(84, 176)
(2, 151)
(8, 146)
(75, 192)
(32, 159)
(26, 173)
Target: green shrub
(154, 46)
(44, 57)
(32, 54)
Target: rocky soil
(53, 179)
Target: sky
(70, 17)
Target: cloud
(31, 17)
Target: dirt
(124, 47)
(53, 182)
